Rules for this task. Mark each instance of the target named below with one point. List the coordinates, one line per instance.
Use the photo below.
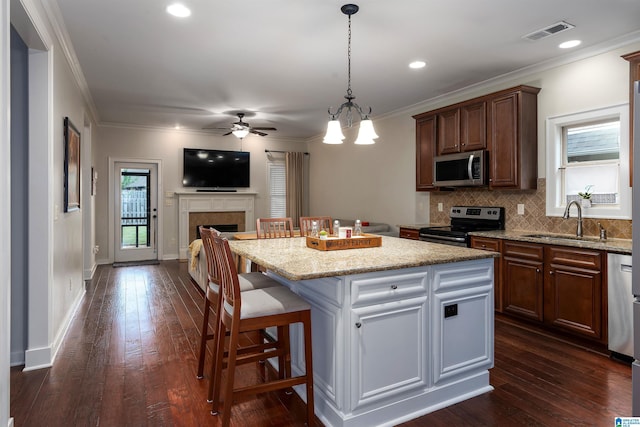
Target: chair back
(324, 223)
(270, 228)
(207, 242)
(228, 277)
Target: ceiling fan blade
(263, 128)
(257, 132)
(214, 128)
(225, 134)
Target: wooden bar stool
(212, 300)
(270, 228)
(249, 311)
(324, 223)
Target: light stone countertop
(292, 259)
(621, 246)
(413, 226)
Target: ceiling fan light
(334, 133)
(240, 133)
(366, 133)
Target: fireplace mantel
(211, 202)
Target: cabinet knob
(484, 246)
(358, 325)
(537, 270)
(551, 272)
(394, 287)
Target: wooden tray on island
(336, 243)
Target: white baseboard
(10, 423)
(16, 358)
(168, 257)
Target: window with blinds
(277, 188)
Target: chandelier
(366, 133)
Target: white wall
(166, 146)
(377, 182)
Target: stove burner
(465, 219)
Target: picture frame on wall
(71, 167)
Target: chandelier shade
(366, 133)
(240, 133)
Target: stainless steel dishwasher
(620, 304)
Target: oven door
(445, 240)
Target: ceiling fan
(241, 128)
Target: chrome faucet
(566, 215)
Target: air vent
(556, 28)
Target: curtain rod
(284, 152)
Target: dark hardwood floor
(129, 359)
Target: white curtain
(295, 167)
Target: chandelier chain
(349, 93)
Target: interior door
(136, 211)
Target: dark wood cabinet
(425, 152)
(561, 288)
(409, 233)
(504, 123)
(513, 139)
(492, 245)
(574, 291)
(634, 74)
(523, 280)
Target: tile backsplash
(534, 218)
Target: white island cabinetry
(398, 331)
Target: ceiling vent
(556, 28)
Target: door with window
(136, 211)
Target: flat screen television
(215, 168)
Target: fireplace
(223, 228)
(218, 209)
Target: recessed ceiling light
(569, 44)
(417, 64)
(179, 10)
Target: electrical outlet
(450, 310)
(520, 209)
(440, 207)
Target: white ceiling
(284, 62)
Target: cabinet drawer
(365, 291)
(574, 257)
(485, 244)
(409, 233)
(530, 251)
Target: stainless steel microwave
(461, 169)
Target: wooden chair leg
(203, 338)
(229, 383)
(216, 379)
(308, 369)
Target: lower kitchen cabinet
(492, 245)
(409, 233)
(558, 287)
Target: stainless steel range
(464, 219)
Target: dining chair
(269, 228)
(324, 223)
(212, 300)
(249, 311)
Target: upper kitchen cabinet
(513, 138)
(634, 74)
(425, 151)
(462, 128)
(503, 123)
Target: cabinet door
(388, 351)
(409, 233)
(574, 291)
(522, 280)
(493, 245)
(425, 151)
(473, 126)
(503, 158)
(449, 132)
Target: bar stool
(212, 301)
(249, 311)
(270, 228)
(324, 223)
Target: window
(277, 188)
(589, 152)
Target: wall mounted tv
(215, 168)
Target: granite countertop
(621, 246)
(292, 259)
(413, 226)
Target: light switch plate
(520, 209)
(440, 208)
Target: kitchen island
(399, 330)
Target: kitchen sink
(562, 237)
